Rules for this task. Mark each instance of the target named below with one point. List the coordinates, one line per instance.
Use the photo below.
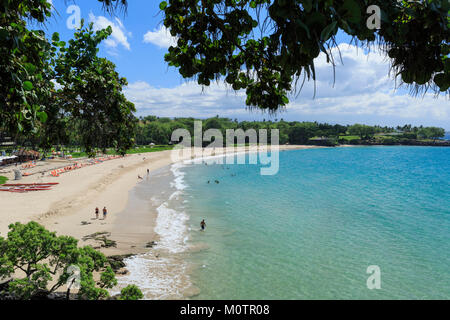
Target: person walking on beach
(105, 213)
(203, 225)
(97, 211)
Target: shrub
(354, 141)
(131, 293)
(388, 140)
(409, 135)
(40, 257)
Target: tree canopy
(362, 130)
(152, 129)
(91, 92)
(262, 46)
(432, 133)
(50, 88)
(266, 46)
(24, 70)
(41, 261)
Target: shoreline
(112, 183)
(167, 263)
(68, 209)
(72, 202)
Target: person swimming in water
(203, 225)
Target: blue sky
(363, 92)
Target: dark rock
(116, 262)
(41, 295)
(151, 244)
(122, 272)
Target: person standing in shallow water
(203, 225)
(105, 213)
(96, 213)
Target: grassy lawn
(131, 151)
(3, 180)
(149, 149)
(348, 138)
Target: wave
(178, 182)
(172, 229)
(157, 277)
(162, 272)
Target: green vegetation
(149, 149)
(152, 129)
(86, 106)
(431, 133)
(3, 180)
(156, 130)
(363, 131)
(135, 150)
(131, 293)
(348, 138)
(266, 46)
(43, 262)
(262, 46)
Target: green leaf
(28, 86)
(163, 5)
(307, 5)
(42, 116)
(304, 26)
(31, 68)
(55, 37)
(352, 11)
(3, 34)
(326, 33)
(252, 4)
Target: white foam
(158, 278)
(176, 195)
(178, 182)
(164, 277)
(172, 229)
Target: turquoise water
(311, 231)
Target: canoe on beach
(27, 187)
(30, 184)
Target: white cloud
(362, 92)
(187, 99)
(119, 34)
(160, 37)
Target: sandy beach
(69, 208)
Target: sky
(363, 91)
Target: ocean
(312, 231)
(309, 232)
